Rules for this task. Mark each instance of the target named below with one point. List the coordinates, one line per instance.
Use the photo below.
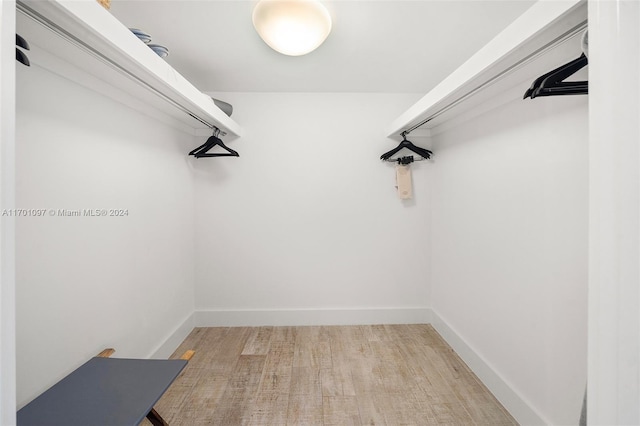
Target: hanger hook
(404, 135)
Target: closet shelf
(502, 69)
(83, 42)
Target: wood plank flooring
(334, 375)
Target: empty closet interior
(139, 242)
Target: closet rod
(44, 21)
(550, 45)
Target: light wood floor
(337, 375)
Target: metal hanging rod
(550, 45)
(47, 23)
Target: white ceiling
(384, 46)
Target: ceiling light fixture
(292, 27)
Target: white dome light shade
(292, 27)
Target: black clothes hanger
(21, 42)
(424, 153)
(213, 140)
(20, 55)
(552, 84)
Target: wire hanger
(424, 153)
(214, 140)
(552, 84)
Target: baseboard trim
(293, 317)
(519, 408)
(175, 338)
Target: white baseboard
(522, 411)
(174, 339)
(293, 317)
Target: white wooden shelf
(82, 41)
(516, 56)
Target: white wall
(614, 192)
(509, 262)
(87, 283)
(7, 225)
(306, 226)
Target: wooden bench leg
(156, 419)
(188, 355)
(106, 353)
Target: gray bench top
(103, 392)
